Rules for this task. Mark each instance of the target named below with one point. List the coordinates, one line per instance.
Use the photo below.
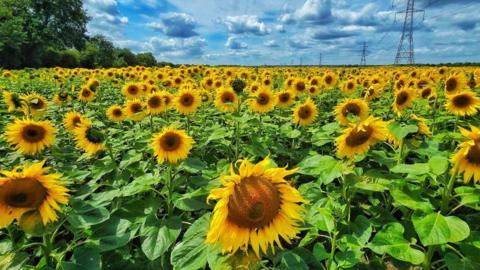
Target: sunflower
(187, 101)
(329, 80)
(13, 101)
(403, 99)
(358, 138)
(72, 120)
(349, 86)
(314, 90)
(423, 128)
(304, 114)
(30, 137)
(299, 86)
(89, 138)
(263, 101)
(455, 83)
(155, 104)
(37, 104)
(132, 91)
(62, 98)
(256, 207)
(86, 95)
(463, 103)
(206, 96)
(467, 158)
(135, 110)
(427, 92)
(285, 99)
(30, 189)
(171, 145)
(168, 99)
(226, 100)
(115, 113)
(351, 108)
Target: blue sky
(255, 32)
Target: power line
(405, 49)
(363, 61)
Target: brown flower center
(94, 135)
(284, 97)
(351, 108)
(136, 107)
(37, 104)
(132, 90)
(358, 137)
(154, 102)
(117, 112)
(23, 193)
(328, 79)
(33, 133)
(263, 99)
(171, 141)
(304, 112)
(85, 93)
(76, 121)
(462, 101)
(474, 154)
(254, 203)
(402, 97)
(227, 97)
(451, 84)
(426, 92)
(187, 100)
(300, 86)
(350, 86)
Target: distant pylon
(363, 62)
(405, 49)
(320, 60)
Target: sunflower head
(171, 145)
(155, 104)
(37, 104)
(455, 83)
(349, 86)
(187, 101)
(135, 110)
(226, 100)
(14, 101)
(350, 110)
(467, 160)
(72, 120)
(30, 137)
(304, 114)
(262, 101)
(257, 206)
(89, 138)
(30, 188)
(132, 90)
(463, 103)
(299, 86)
(285, 99)
(86, 95)
(62, 98)
(115, 113)
(403, 99)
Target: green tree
(146, 59)
(127, 57)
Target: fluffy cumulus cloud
(172, 48)
(234, 44)
(245, 24)
(179, 25)
(105, 17)
(312, 11)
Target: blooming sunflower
(168, 99)
(89, 138)
(132, 91)
(463, 103)
(115, 113)
(299, 86)
(351, 108)
(255, 207)
(206, 96)
(358, 138)
(155, 104)
(455, 83)
(72, 120)
(62, 98)
(36, 103)
(263, 101)
(30, 137)
(171, 145)
(329, 80)
(349, 86)
(86, 95)
(467, 158)
(403, 99)
(423, 128)
(304, 114)
(187, 101)
(135, 110)
(226, 100)
(30, 189)
(13, 101)
(285, 99)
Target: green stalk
(170, 190)
(428, 258)
(332, 250)
(448, 190)
(400, 151)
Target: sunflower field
(199, 167)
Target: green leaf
(438, 165)
(289, 260)
(141, 184)
(411, 199)
(85, 214)
(436, 229)
(193, 201)
(401, 131)
(414, 169)
(13, 261)
(320, 252)
(158, 236)
(326, 168)
(454, 262)
(112, 234)
(321, 218)
(468, 195)
(84, 258)
(459, 229)
(193, 165)
(390, 241)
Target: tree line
(39, 33)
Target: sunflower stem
(170, 191)
(400, 151)
(428, 257)
(187, 122)
(332, 251)
(237, 133)
(151, 124)
(448, 190)
(434, 116)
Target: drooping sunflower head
(28, 189)
(30, 137)
(72, 120)
(463, 103)
(403, 99)
(455, 83)
(115, 113)
(37, 104)
(89, 138)
(358, 138)
(285, 99)
(86, 95)
(351, 110)
(421, 122)
(132, 91)
(171, 145)
(304, 114)
(256, 207)
(135, 110)
(262, 101)
(62, 98)
(187, 101)
(155, 104)
(226, 100)
(13, 101)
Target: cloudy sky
(255, 32)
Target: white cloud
(245, 24)
(234, 44)
(179, 25)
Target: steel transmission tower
(405, 47)
(320, 60)
(363, 62)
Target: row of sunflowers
(240, 168)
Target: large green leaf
(290, 260)
(390, 241)
(412, 199)
(158, 236)
(436, 229)
(326, 168)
